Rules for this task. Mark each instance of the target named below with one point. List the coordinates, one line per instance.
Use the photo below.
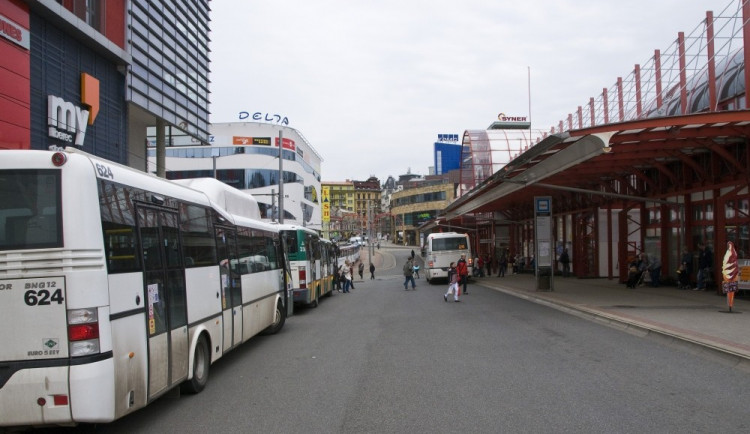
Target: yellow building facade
(414, 206)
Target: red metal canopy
(655, 158)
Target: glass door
(166, 304)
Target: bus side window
(120, 248)
(198, 240)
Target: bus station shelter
(657, 186)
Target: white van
(356, 240)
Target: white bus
(116, 286)
(442, 248)
(347, 252)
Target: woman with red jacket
(463, 271)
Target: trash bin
(544, 279)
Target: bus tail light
(83, 332)
(302, 277)
(59, 158)
(430, 264)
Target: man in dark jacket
(705, 265)
(409, 275)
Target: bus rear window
(449, 244)
(292, 243)
(30, 209)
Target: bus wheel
(279, 317)
(314, 302)
(201, 363)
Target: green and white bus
(312, 260)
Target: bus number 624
(42, 297)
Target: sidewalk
(696, 319)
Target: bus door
(164, 292)
(231, 287)
(311, 247)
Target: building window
(89, 11)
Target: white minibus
(442, 248)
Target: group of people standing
(486, 265)
(705, 264)
(343, 277)
(643, 265)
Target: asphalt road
(385, 360)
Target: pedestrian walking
(416, 270)
(351, 274)
(412, 254)
(372, 271)
(346, 273)
(453, 285)
(565, 261)
(488, 263)
(463, 271)
(361, 271)
(409, 275)
(502, 265)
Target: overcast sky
(371, 84)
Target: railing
(677, 80)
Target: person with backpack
(409, 275)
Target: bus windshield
(30, 212)
(456, 243)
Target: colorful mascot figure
(730, 273)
